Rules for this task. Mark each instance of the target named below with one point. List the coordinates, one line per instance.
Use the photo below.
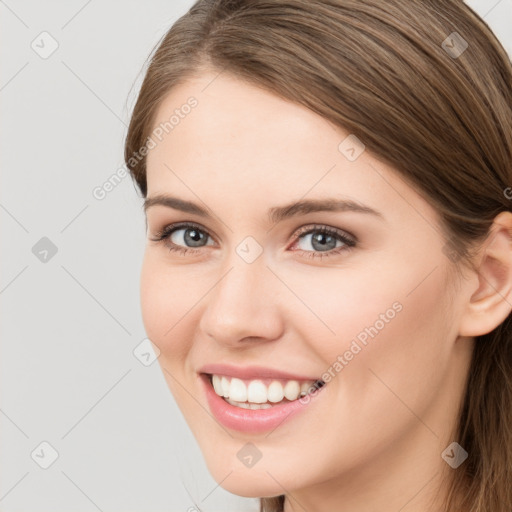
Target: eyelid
(174, 226)
(161, 235)
(326, 228)
(345, 237)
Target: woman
(328, 272)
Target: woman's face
(367, 307)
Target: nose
(243, 305)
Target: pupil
(193, 235)
(322, 239)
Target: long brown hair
(426, 85)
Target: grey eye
(190, 237)
(319, 241)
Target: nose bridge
(242, 303)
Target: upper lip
(251, 372)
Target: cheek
(164, 301)
(338, 308)
(390, 322)
(153, 300)
(164, 306)
(394, 350)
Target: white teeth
(238, 391)
(217, 386)
(292, 390)
(225, 386)
(275, 392)
(245, 405)
(304, 388)
(256, 392)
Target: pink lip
(252, 420)
(251, 372)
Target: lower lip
(252, 420)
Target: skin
(373, 438)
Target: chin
(264, 479)
(249, 485)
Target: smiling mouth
(261, 393)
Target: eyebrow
(275, 214)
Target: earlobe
(491, 303)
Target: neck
(407, 475)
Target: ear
(491, 302)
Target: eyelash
(164, 234)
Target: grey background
(70, 324)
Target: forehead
(233, 117)
(246, 145)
